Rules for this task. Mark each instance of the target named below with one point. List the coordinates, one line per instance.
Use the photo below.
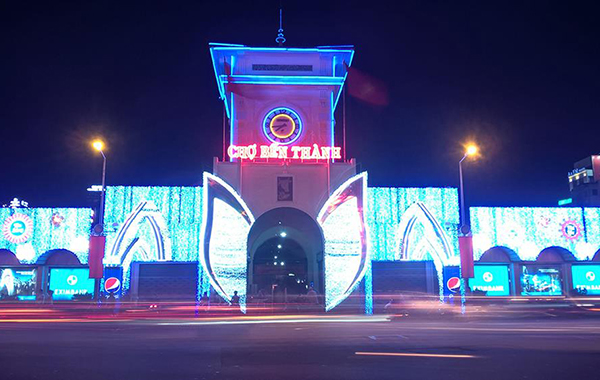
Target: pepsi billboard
(17, 284)
(112, 285)
(70, 283)
(586, 279)
(492, 280)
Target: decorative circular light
(282, 125)
(571, 230)
(17, 228)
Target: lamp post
(99, 228)
(99, 146)
(464, 239)
(470, 151)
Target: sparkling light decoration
(179, 207)
(413, 224)
(528, 230)
(143, 235)
(387, 206)
(346, 257)
(45, 236)
(227, 222)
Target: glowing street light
(98, 145)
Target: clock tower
(275, 203)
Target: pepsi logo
(112, 285)
(453, 284)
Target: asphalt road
(304, 347)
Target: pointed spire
(280, 38)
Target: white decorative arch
(128, 240)
(414, 244)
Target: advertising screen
(541, 281)
(492, 280)
(17, 284)
(70, 283)
(586, 279)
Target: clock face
(282, 126)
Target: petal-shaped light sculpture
(342, 219)
(223, 252)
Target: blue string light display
(529, 230)
(51, 228)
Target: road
(301, 347)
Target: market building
(284, 212)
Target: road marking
(415, 354)
(372, 337)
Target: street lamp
(470, 151)
(99, 146)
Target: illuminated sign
(541, 281)
(586, 279)
(17, 228)
(282, 125)
(17, 283)
(490, 279)
(69, 283)
(275, 151)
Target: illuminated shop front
(35, 243)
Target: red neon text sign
(274, 151)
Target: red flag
(367, 88)
(96, 256)
(465, 246)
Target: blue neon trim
(220, 85)
(332, 123)
(223, 44)
(290, 111)
(335, 46)
(285, 49)
(231, 124)
(333, 67)
(288, 80)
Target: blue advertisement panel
(17, 284)
(112, 284)
(451, 281)
(492, 280)
(539, 280)
(586, 279)
(71, 283)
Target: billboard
(492, 280)
(586, 279)
(539, 280)
(70, 283)
(17, 284)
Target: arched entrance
(285, 255)
(280, 268)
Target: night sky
(522, 78)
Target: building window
(285, 189)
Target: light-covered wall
(51, 228)
(528, 230)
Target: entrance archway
(280, 268)
(289, 236)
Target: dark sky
(522, 78)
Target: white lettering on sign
(274, 151)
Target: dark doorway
(281, 270)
